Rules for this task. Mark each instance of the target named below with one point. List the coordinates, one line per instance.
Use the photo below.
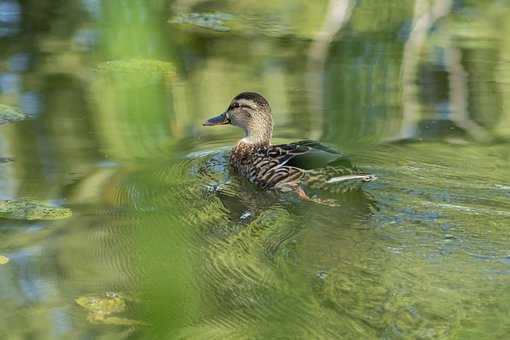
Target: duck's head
(251, 112)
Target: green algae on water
(30, 210)
(10, 114)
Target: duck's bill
(218, 120)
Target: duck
(296, 167)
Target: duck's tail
(346, 183)
(339, 180)
(362, 178)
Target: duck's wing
(314, 164)
(306, 155)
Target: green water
(165, 243)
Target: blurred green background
(164, 243)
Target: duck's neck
(254, 141)
(258, 137)
(246, 148)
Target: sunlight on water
(101, 111)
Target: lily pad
(3, 259)
(101, 308)
(138, 66)
(107, 304)
(266, 25)
(9, 114)
(212, 21)
(29, 210)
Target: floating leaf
(264, 24)
(9, 114)
(212, 21)
(101, 307)
(106, 304)
(139, 67)
(29, 210)
(3, 259)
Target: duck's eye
(237, 105)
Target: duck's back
(286, 166)
(309, 155)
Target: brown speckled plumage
(263, 165)
(284, 167)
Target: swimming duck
(284, 167)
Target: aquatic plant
(101, 308)
(30, 210)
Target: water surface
(415, 92)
